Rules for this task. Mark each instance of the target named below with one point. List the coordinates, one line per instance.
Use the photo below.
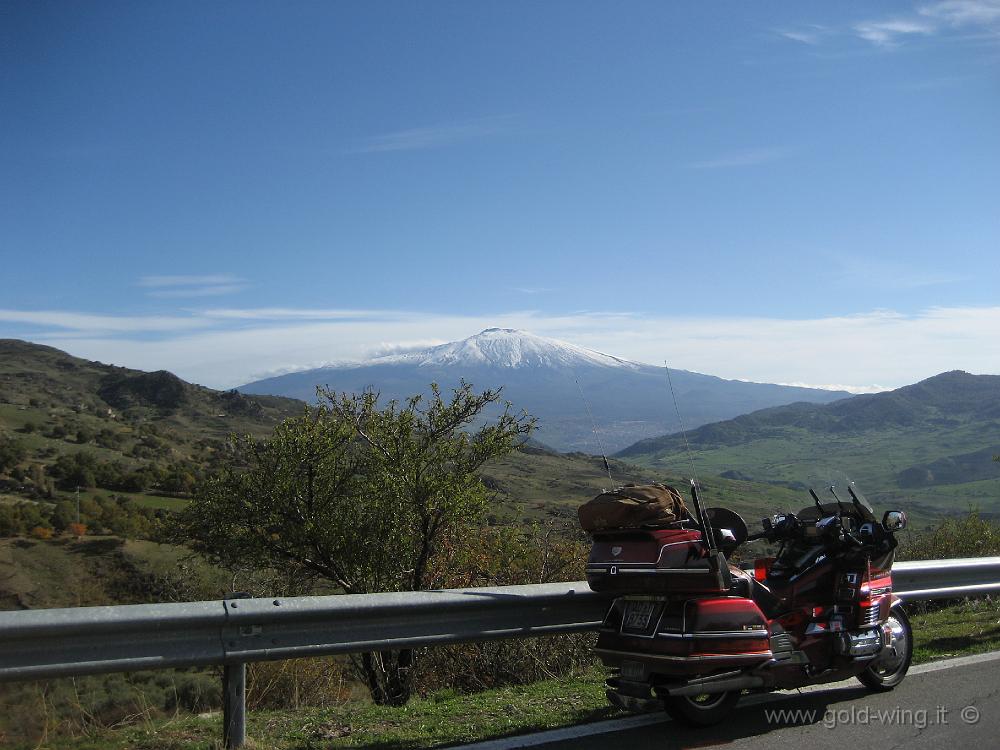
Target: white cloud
(964, 12)
(886, 33)
(853, 351)
(811, 34)
(841, 387)
(933, 18)
(533, 289)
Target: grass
(95, 570)
(439, 719)
(447, 718)
(969, 628)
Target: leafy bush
(966, 536)
(12, 452)
(504, 556)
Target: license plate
(634, 671)
(637, 615)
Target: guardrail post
(234, 705)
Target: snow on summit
(508, 348)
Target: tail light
(760, 567)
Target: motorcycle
(692, 631)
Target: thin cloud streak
(811, 34)
(748, 158)
(202, 291)
(91, 324)
(287, 313)
(218, 279)
(875, 273)
(437, 136)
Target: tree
(359, 495)
(12, 452)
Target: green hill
(927, 446)
(68, 422)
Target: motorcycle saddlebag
(728, 632)
(633, 506)
(653, 561)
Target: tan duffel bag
(633, 506)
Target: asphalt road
(939, 705)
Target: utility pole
(78, 504)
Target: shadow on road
(751, 719)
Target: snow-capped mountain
(506, 348)
(558, 382)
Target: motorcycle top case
(653, 561)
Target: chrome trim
(872, 616)
(716, 634)
(622, 568)
(636, 655)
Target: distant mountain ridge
(561, 383)
(943, 400)
(932, 441)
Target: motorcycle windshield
(838, 495)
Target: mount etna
(557, 382)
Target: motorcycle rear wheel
(884, 675)
(701, 710)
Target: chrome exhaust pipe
(699, 687)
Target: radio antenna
(680, 422)
(597, 435)
(840, 505)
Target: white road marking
(634, 722)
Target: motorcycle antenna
(855, 499)
(819, 505)
(840, 505)
(597, 435)
(680, 423)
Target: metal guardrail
(920, 580)
(91, 640)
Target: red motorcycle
(692, 631)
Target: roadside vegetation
(461, 693)
(171, 510)
(447, 716)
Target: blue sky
(793, 192)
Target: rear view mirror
(894, 520)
